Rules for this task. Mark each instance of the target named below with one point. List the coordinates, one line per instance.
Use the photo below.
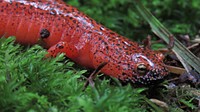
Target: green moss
(29, 82)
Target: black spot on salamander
(70, 18)
(75, 16)
(16, 5)
(124, 74)
(100, 38)
(52, 11)
(48, 3)
(44, 33)
(59, 46)
(74, 21)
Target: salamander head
(148, 69)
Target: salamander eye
(141, 69)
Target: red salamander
(64, 29)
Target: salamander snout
(147, 76)
(148, 70)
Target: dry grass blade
(187, 58)
(175, 70)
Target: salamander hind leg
(63, 47)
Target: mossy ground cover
(30, 82)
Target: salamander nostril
(44, 33)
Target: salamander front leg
(93, 75)
(63, 47)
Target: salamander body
(62, 28)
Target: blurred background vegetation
(180, 16)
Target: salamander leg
(171, 42)
(63, 47)
(147, 42)
(93, 75)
